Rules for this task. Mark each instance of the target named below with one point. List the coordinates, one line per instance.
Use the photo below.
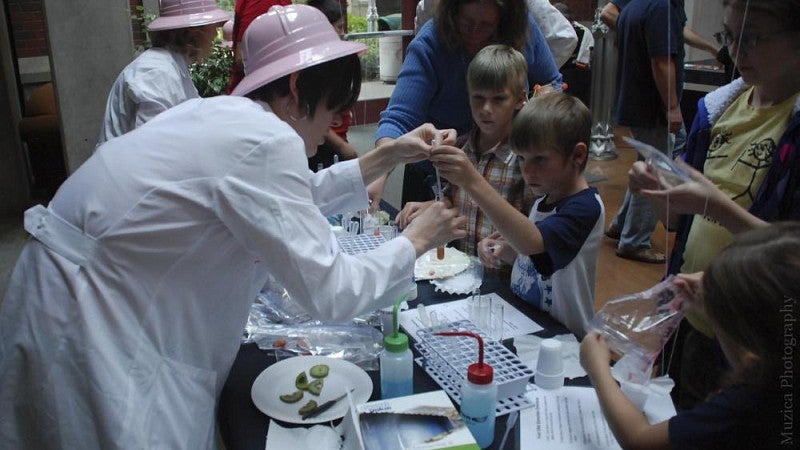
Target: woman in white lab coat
(159, 79)
(126, 308)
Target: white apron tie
(59, 235)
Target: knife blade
(324, 407)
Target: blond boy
(496, 80)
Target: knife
(324, 407)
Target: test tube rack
(446, 358)
(353, 244)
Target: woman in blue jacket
(432, 84)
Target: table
(243, 427)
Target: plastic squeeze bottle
(397, 365)
(478, 395)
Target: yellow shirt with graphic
(743, 143)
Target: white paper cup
(550, 366)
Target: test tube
(437, 191)
(496, 320)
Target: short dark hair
(745, 289)
(512, 29)
(338, 82)
(555, 121)
(331, 8)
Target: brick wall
(27, 28)
(29, 32)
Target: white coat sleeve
(266, 202)
(559, 33)
(154, 91)
(333, 196)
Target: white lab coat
(155, 81)
(558, 32)
(125, 311)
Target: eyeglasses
(745, 42)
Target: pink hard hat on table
(287, 39)
(187, 13)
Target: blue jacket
(778, 197)
(432, 84)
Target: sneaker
(644, 254)
(613, 232)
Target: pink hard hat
(287, 39)
(227, 33)
(187, 13)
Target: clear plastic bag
(638, 325)
(277, 323)
(358, 344)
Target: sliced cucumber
(301, 381)
(294, 397)
(319, 371)
(315, 387)
(308, 407)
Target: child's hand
(410, 212)
(454, 165)
(494, 250)
(595, 354)
(692, 285)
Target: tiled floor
(615, 276)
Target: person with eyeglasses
(745, 167)
(432, 84)
(561, 37)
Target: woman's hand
(416, 145)
(595, 354)
(642, 176)
(410, 212)
(454, 165)
(690, 197)
(436, 226)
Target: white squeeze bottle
(478, 395)
(397, 363)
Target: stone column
(90, 43)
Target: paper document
(515, 322)
(571, 418)
(566, 418)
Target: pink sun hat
(287, 39)
(187, 13)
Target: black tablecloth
(244, 427)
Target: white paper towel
(317, 437)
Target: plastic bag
(361, 345)
(639, 325)
(278, 323)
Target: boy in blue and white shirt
(554, 250)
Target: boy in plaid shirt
(496, 81)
